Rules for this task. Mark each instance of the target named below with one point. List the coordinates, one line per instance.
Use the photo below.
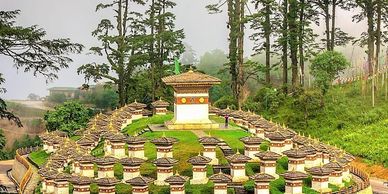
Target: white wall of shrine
(191, 113)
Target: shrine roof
(191, 78)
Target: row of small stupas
(306, 156)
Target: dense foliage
(326, 67)
(68, 117)
(347, 120)
(102, 98)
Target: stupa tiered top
(191, 105)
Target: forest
(297, 75)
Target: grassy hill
(347, 120)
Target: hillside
(347, 120)
(31, 118)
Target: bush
(68, 117)
(326, 66)
(372, 116)
(226, 101)
(270, 99)
(102, 98)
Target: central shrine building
(191, 104)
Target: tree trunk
(152, 53)
(232, 47)
(240, 14)
(332, 45)
(267, 29)
(371, 37)
(301, 35)
(293, 29)
(327, 23)
(120, 62)
(285, 45)
(378, 35)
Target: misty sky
(75, 19)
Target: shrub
(68, 117)
(270, 99)
(226, 101)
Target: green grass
(231, 137)
(75, 138)
(187, 147)
(122, 188)
(98, 151)
(140, 124)
(118, 171)
(221, 120)
(39, 157)
(347, 120)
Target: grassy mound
(141, 124)
(347, 120)
(39, 157)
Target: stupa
(191, 104)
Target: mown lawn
(141, 124)
(231, 137)
(187, 147)
(39, 157)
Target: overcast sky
(75, 19)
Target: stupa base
(191, 126)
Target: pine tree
(122, 43)
(31, 52)
(164, 41)
(283, 41)
(236, 24)
(368, 8)
(293, 40)
(264, 24)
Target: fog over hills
(75, 19)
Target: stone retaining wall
(21, 169)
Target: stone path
(4, 180)
(379, 186)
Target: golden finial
(191, 69)
(164, 134)
(209, 134)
